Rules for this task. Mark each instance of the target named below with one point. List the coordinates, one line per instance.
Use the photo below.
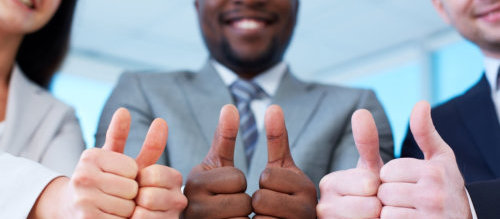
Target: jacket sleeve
(66, 146)
(485, 197)
(22, 182)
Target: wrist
(51, 201)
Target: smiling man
(247, 40)
(470, 122)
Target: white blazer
(40, 127)
(22, 182)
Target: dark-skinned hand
(285, 191)
(215, 188)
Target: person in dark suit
(470, 125)
(470, 122)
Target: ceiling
(164, 34)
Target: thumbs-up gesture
(215, 188)
(285, 191)
(353, 193)
(430, 188)
(104, 183)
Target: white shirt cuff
(472, 209)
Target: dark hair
(42, 52)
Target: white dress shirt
(269, 81)
(492, 66)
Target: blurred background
(399, 48)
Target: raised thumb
(425, 134)
(154, 144)
(366, 139)
(222, 151)
(278, 149)
(116, 136)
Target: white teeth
(27, 3)
(248, 24)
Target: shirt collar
(269, 80)
(492, 65)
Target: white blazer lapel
(26, 107)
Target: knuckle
(89, 155)
(433, 199)
(180, 203)
(146, 199)
(435, 173)
(321, 210)
(373, 206)
(370, 184)
(82, 179)
(258, 200)
(176, 177)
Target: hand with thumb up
(108, 184)
(285, 191)
(215, 188)
(429, 188)
(353, 193)
(403, 188)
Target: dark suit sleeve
(129, 94)
(485, 196)
(410, 147)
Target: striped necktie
(244, 92)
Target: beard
(257, 64)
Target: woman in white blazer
(34, 36)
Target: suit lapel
(26, 108)
(480, 118)
(299, 101)
(206, 94)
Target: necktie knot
(245, 91)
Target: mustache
(258, 13)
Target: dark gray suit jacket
(317, 118)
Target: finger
(220, 206)
(113, 205)
(117, 186)
(225, 180)
(389, 212)
(277, 139)
(160, 176)
(397, 194)
(108, 161)
(407, 170)
(160, 199)
(350, 207)
(222, 151)
(141, 212)
(285, 181)
(154, 144)
(116, 136)
(425, 134)
(280, 205)
(353, 182)
(365, 135)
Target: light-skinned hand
(353, 193)
(105, 185)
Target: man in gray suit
(246, 40)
